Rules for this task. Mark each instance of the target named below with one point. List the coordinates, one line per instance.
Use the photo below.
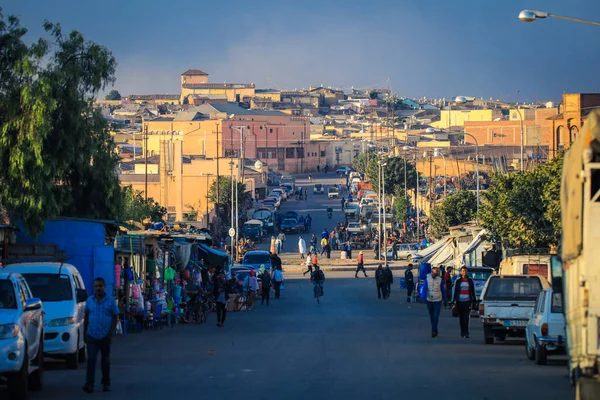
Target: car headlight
(9, 331)
(62, 321)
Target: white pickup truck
(507, 303)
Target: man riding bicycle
(317, 278)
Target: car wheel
(529, 351)
(72, 360)
(36, 379)
(17, 382)
(541, 355)
(488, 335)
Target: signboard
(231, 232)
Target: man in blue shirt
(101, 317)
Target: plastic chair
(157, 321)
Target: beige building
(195, 81)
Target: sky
(436, 48)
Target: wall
(194, 79)
(231, 93)
(459, 117)
(196, 135)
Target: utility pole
(232, 198)
(146, 161)
(217, 184)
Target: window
(322, 153)
(50, 287)
(22, 296)
(513, 288)
(232, 153)
(7, 295)
(271, 130)
(289, 153)
(557, 305)
(535, 269)
(300, 152)
(542, 302)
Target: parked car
(256, 258)
(343, 171)
(282, 192)
(406, 251)
(288, 188)
(21, 336)
(351, 209)
(354, 227)
(507, 303)
(332, 192)
(291, 225)
(545, 332)
(318, 189)
(273, 199)
(61, 289)
(291, 214)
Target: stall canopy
(444, 255)
(214, 257)
(426, 254)
(475, 243)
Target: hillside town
(228, 233)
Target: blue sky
(436, 48)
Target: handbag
(282, 286)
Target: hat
(360, 252)
(435, 267)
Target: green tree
(137, 208)
(113, 95)
(401, 206)
(456, 209)
(225, 192)
(523, 209)
(394, 174)
(359, 163)
(56, 154)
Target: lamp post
(437, 153)
(477, 168)
(232, 200)
(240, 129)
(532, 15)
(522, 138)
(207, 216)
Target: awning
(427, 253)
(477, 240)
(443, 255)
(214, 257)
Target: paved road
(351, 346)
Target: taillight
(481, 309)
(544, 329)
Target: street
(351, 346)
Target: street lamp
(437, 153)
(532, 15)
(477, 168)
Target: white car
(61, 289)
(405, 251)
(343, 170)
(21, 336)
(282, 193)
(545, 332)
(354, 227)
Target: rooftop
(191, 72)
(154, 97)
(232, 108)
(218, 85)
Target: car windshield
(257, 259)
(318, 186)
(7, 295)
(333, 189)
(354, 225)
(50, 287)
(480, 275)
(289, 221)
(513, 288)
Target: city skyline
(435, 50)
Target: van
(527, 264)
(63, 295)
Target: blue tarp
(83, 242)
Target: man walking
(277, 280)
(464, 297)
(282, 239)
(348, 249)
(410, 282)
(434, 291)
(265, 279)
(360, 266)
(301, 247)
(380, 282)
(389, 279)
(100, 321)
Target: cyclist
(317, 278)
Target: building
(458, 115)
(154, 99)
(566, 124)
(195, 81)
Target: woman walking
(464, 297)
(221, 293)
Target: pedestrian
(221, 291)
(313, 244)
(323, 245)
(100, 322)
(309, 222)
(360, 265)
(272, 248)
(464, 298)
(348, 250)
(380, 282)
(389, 280)
(410, 282)
(448, 282)
(282, 239)
(395, 251)
(315, 260)
(275, 261)
(434, 291)
(277, 280)
(278, 245)
(309, 264)
(265, 279)
(328, 250)
(305, 194)
(301, 247)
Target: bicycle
(208, 302)
(250, 300)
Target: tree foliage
(401, 207)
(394, 174)
(137, 208)
(56, 155)
(113, 95)
(359, 163)
(456, 209)
(523, 209)
(225, 192)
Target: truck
(578, 257)
(332, 192)
(516, 263)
